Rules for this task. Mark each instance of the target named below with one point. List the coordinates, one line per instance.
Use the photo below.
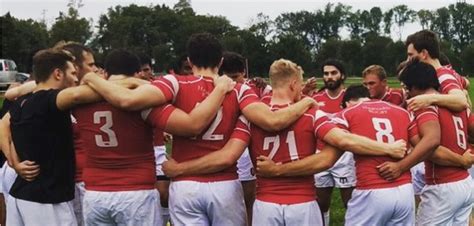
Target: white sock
(165, 215)
(326, 218)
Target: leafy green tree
(425, 17)
(71, 27)
(402, 15)
(462, 33)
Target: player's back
(295, 142)
(119, 148)
(327, 103)
(188, 91)
(454, 137)
(380, 121)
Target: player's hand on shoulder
(171, 168)
(266, 167)
(310, 101)
(389, 170)
(419, 102)
(259, 82)
(225, 83)
(310, 86)
(398, 149)
(27, 170)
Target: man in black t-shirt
(41, 131)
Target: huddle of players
(213, 120)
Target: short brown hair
(281, 70)
(375, 69)
(425, 39)
(47, 60)
(76, 49)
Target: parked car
(8, 72)
(21, 77)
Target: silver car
(8, 72)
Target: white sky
(238, 12)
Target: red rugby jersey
(453, 136)
(379, 121)
(185, 92)
(395, 96)
(119, 148)
(295, 142)
(327, 103)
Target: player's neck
(281, 97)
(434, 62)
(49, 84)
(334, 93)
(206, 72)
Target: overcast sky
(238, 12)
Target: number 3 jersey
(379, 121)
(295, 142)
(119, 147)
(185, 92)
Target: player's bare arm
(28, 170)
(455, 100)
(260, 114)
(307, 166)
(210, 163)
(364, 146)
(445, 157)
(144, 96)
(430, 133)
(21, 90)
(70, 97)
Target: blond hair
(375, 69)
(282, 70)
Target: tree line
(305, 37)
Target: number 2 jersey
(379, 121)
(295, 142)
(185, 92)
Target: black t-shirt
(42, 133)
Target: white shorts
(8, 177)
(418, 177)
(160, 157)
(245, 167)
(207, 203)
(165, 215)
(267, 213)
(77, 202)
(128, 208)
(341, 175)
(446, 204)
(384, 206)
(471, 171)
(21, 212)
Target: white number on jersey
(460, 135)
(111, 140)
(209, 134)
(290, 140)
(384, 129)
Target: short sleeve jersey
(453, 136)
(43, 133)
(295, 142)
(119, 148)
(185, 92)
(329, 104)
(383, 122)
(395, 96)
(449, 80)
